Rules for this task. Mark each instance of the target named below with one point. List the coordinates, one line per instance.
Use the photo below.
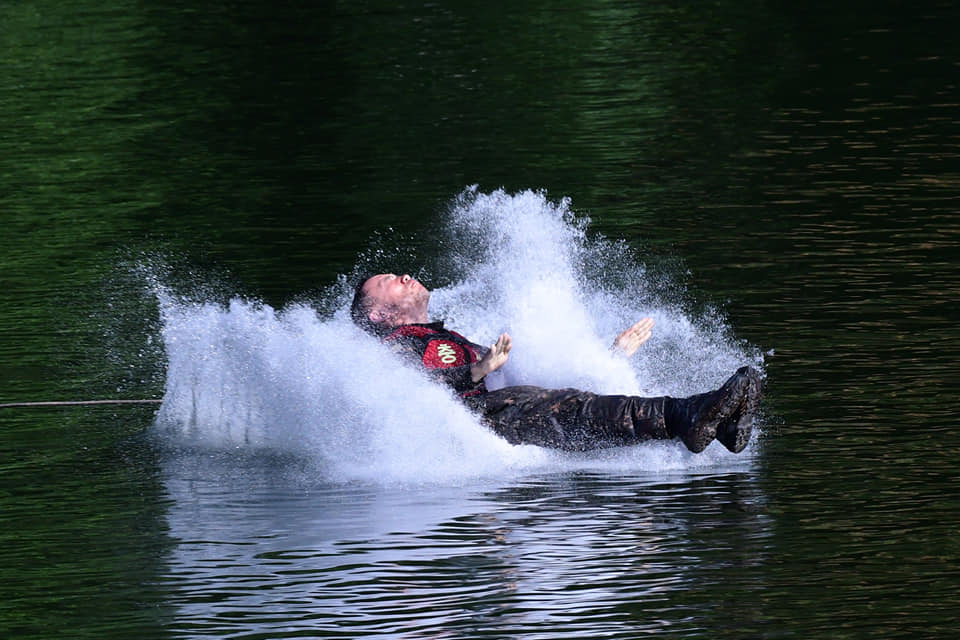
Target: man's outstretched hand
(630, 340)
(493, 360)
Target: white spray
(248, 376)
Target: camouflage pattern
(571, 419)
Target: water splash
(293, 381)
(527, 266)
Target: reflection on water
(262, 550)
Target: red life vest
(441, 348)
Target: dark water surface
(795, 166)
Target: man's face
(396, 299)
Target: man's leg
(571, 419)
(577, 420)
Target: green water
(796, 166)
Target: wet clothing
(559, 418)
(445, 354)
(571, 419)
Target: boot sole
(729, 399)
(734, 433)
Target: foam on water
(305, 381)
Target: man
(395, 309)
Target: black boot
(734, 433)
(695, 419)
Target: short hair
(360, 307)
(360, 310)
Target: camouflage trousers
(571, 419)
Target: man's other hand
(630, 340)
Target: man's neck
(406, 324)
(420, 318)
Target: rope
(76, 403)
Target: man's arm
(630, 340)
